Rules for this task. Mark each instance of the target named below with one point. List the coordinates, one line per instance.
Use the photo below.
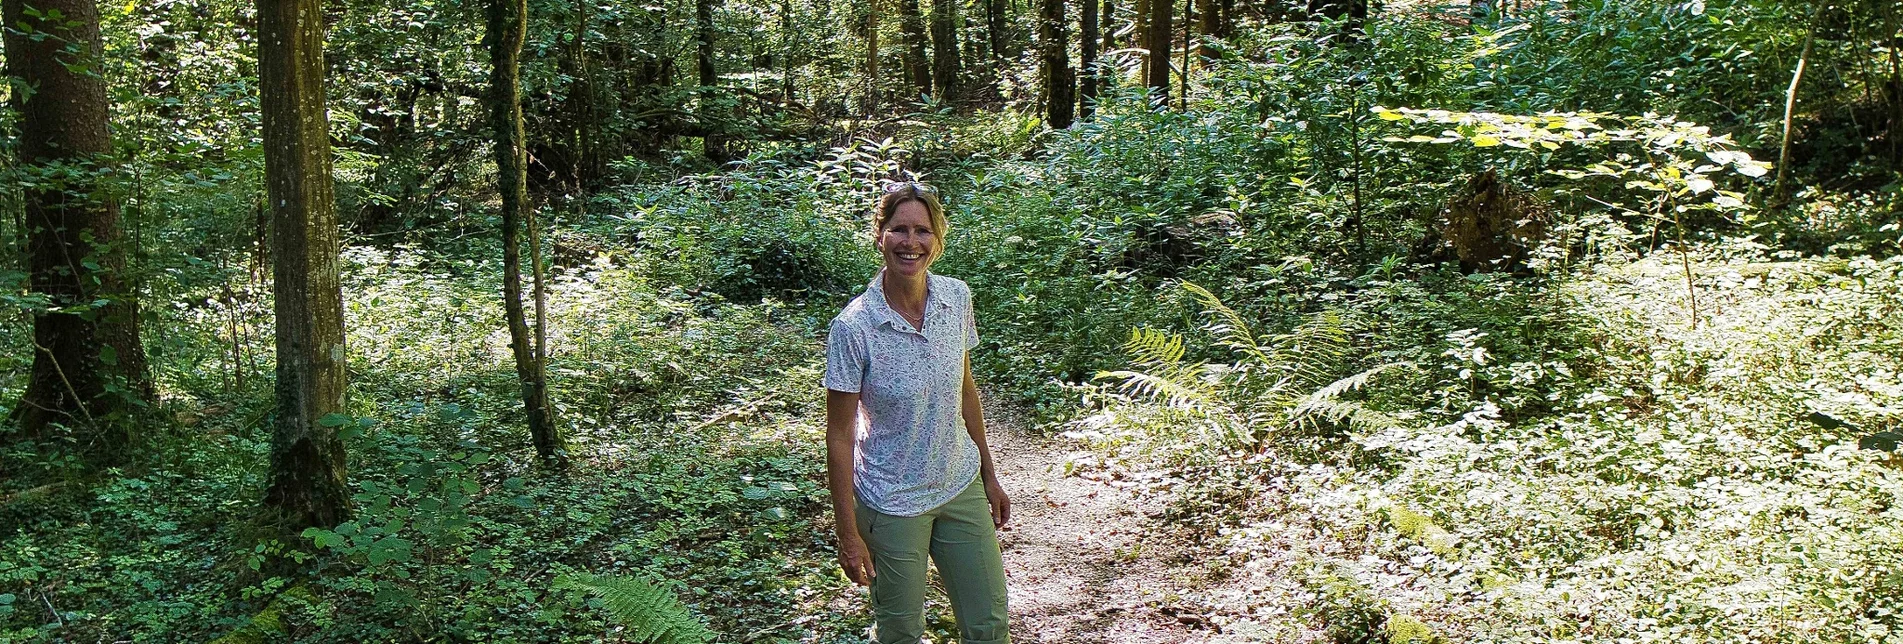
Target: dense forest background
(501, 320)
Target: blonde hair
(911, 191)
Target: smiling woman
(906, 457)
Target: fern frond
(652, 614)
(1326, 403)
(1154, 348)
(1359, 417)
(1174, 392)
(1313, 351)
(1230, 329)
(1351, 383)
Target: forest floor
(1085, 559)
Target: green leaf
(334, 419)
(1485, 141)
(108, 355)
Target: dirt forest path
(1081, 556)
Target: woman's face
(908, 242)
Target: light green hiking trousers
(962, 543)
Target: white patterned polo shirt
(911, 453)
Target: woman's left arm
(975, 424)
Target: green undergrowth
(1571, 460)
(693, 426)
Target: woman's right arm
(842, 422)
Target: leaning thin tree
(307, 457)
(508, 27)
(88, 363)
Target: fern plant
(652, 614)
(1278, 381)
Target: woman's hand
(855, 559)
(1000, 503)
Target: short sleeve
(846, 358)
(971, 323)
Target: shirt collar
(934, 299)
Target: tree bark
(1159, 45)
(1189, 40)
(508, 26)
(1087, 40)
(872, 57)
(307, 458)
(1210, 15)
(715, 146)
(1140, 36)
(996, 17)
(918, 72)
(1059, 80)
(946, 65)
(88, 362)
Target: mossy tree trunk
(307, 458)
(88, 362)
(507, 27)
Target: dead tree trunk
(307, 459)
(1059, 80)
(88, 363)
(508, 26)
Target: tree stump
(1493, 226)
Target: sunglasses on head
(901, 185)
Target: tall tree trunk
(1209, 14)
(88, 363)
(918, 72)
(307, 459)
(713, 144)
(945, 63)
(1059, 80)
(787, 39)
(996, 19)
(1189, 39)
(508, 26)
(1140, 36)
(1159, 46)
(1895, 36)
(1087, 40)
(872, 57)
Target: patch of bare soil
(1085, 559)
